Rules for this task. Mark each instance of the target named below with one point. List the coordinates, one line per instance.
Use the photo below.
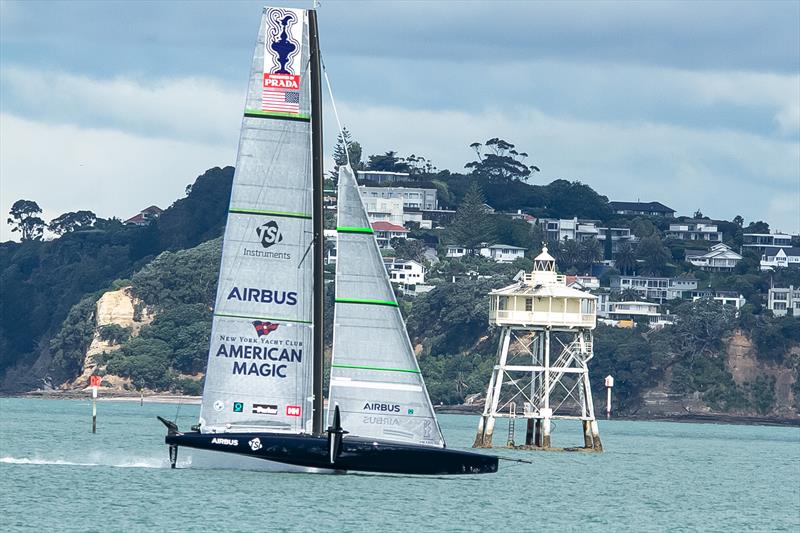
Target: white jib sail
(259, 374)
(375, 379)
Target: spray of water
(94, 460)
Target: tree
(502, 163)
(568, 254)
(629, 294)
(589, 252)
(73, 221)
(567, 199)
(344, 139)
(413, 249)
(472, 224)
(757, 227)
(654, 255)
(738, 220)
(25, 220)
(625, 258)
(387, 162)
(419, 165)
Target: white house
(626, 314)
(386, 231)
(731, 298)
(502, 253)
(720, 258)
(384, 209)
(405, 271)
(781, 300)
(654, 288)
(694, 231)
(780, 258)
(412, 197)
(499, 253)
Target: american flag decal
(281, 93)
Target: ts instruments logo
(293, 410)
(269, 233)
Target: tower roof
(544, 256)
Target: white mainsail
(375, 379)
(259, 373)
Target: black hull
(359, 454)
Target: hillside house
(405, 271)
(693, 230)
(386, 231)
(731, 298)
(782, 301)
(145, 216)
(654, 288)
(499, 253)
(766, 242)
(382, 176)
(412, 197)
(720, 258)
(780, 258)
(641, 208)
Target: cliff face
(744, 366)
(120, 308)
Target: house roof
(496, 246)
(383, 172)
(382, 225)
(136, 219)
(641, 206)
(790, 251)
(153, 209)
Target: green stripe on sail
(381, 369)
(369, 301)
(353, 229)
(275, 114)
(268, 213)
(228, 315)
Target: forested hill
(41, 280)
(165, 273)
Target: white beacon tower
(539, 316)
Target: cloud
(723, 172)
(190, 109)
(112, 173)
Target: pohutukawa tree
(68, 222)
(499, 161)
(25, 219)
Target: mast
(318, 186)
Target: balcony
(501, 317)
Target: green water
(654, 476)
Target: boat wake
(128, 463)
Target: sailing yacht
(263, 395)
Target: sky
(114, 106)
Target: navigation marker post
(609, 385)
(94, 381)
